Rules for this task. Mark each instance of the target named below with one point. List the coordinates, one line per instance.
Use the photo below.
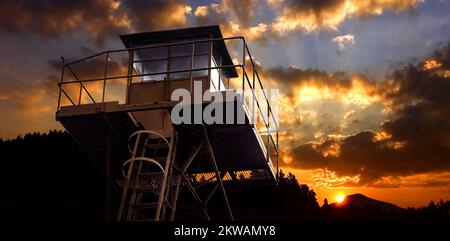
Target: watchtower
(119, 107)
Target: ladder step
(145, 205)
(157, 146)
(151, 205)
(148, 189)
(160, 158)
(151, 174)
(145, 220)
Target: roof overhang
(167, 36)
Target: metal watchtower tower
(117, 106)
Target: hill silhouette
(48, 177)
(363, 202)
(360, 207)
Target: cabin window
(181, 50)
(150, 61)
(179, 64)
(200, 62)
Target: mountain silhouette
(360, 207)
(361, 201)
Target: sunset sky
(365, 85)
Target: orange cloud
(201, 11)
(4, 97)
(431, 64)
(416, 180)
(35, 103)
(325, 121)
(381, 136)
(399, 145)
(242, 11)
(234, 18)
(324, 178)
(312, 15)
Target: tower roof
(165, 36)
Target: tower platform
(239, 146)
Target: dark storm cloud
(52, 18)
(421, 99)
(104, 18)
(417, 82)
(360, 154)
(417, 139)
(315, 7)
(149, 15)
(100, 19)
(295, 76)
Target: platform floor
(239, 148)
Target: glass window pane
(217, 55)
(152, 67)
(151, 53)
(200, 62)
(155, 67)
(201, 48)
(180, 64)
(181, 50)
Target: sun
(340, 198)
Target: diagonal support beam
(194, 193)
(216, 169)
(214, 189)
(186, 165)
(192, 156)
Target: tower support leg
(108, 174)
(162, 192)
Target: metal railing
(252, 82)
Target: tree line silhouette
(48, 177)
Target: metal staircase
(156, 174)
(145, 177)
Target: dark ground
(47, 177)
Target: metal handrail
(262, 114)
(149, 74)
(154, 46)
(170, 72)
(255, 71)
(81, 86)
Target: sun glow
(359, 93)
(340, 198)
